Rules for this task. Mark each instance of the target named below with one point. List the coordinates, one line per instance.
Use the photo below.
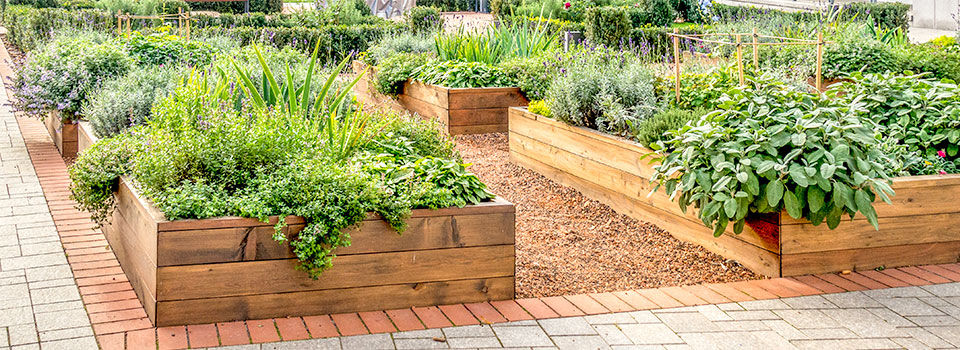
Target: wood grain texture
(385, 297)
(64, 134)
(859, 259)
(85, 136)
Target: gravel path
(567, 243)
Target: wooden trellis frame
(739, 43)
(183, 21)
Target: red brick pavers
(119, 320)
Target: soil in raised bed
(568, 244)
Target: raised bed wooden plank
(85, 136)
(125, 236)
(870, 258)
(348, 271)
(63, 133)
(331, 301)
(859, 234)
(479, 98)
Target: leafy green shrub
(396, 70)
(422, 19)
(495, 44)
(699, 90)
(125, 101)
(60, 74)
(863, 55)
(659, 13)
(161, 48)
(457, 74)
(887, 15)
(401, 43)
(654, 129)
(447, 5)
(78, 4)
(690, 11)
(532, 74)
(607, 97)
(28, 27)
(264, 6)
(939, 62)
(336, 40)
(771, 149)
(607, 25)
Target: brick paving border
(119, 320)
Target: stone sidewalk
(926, 317)
(40, 306)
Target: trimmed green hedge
(265, 6)
(335, 40)
(27, 27)
(886, 14)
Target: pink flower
(941, 154)
(566, 5)
(942, 172)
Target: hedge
(27, 27)
(449, 5)
(260, 19)
(886, 14)
(264, 6)
(335, 40)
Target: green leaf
(774, 193)
(792, 205)
(815, 198)
(865, 206)
(730, 207)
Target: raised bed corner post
(819, 60)
(676, 61)
(756, 50)
(119, 22)
(740, 58)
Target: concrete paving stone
(751, 325)
(785, 330)
(926, 337)
(644, 316)
(934, 321)
(8, 229)
(568, 326)
(3, 337)
(11, 273)
(752, 315)
(69, 333)
(49, 273)
(944, 290)
(518, 323)
(25, 188)
(470, 343)
(9, 252)
(368, 341)
(34, 346)
(737, 340)
(900, 292)
(422, 333)
(41, 248)
(829, 333)
(612, 334)
(675, 309)
(40, 218)
(935, 301)
(806, 318)
(30, 209)
(522, 336)
(23, 334)
(909, 306)
(949, 310)
(6, 213)
(891, 317)
(14, 291)
(809, 302)
(52, 283)
(676, 347)
(55, 294)
(910, 344)
(466, 332)
(688, 322)
(62, 320)
(877, 343)
(713, 313)
(770, 304)
(949, 334)
(310, 344)
(16, 316)
(580, 342)
(620, 317)
(26, 262)
(39, 240)
(864, 323)
(241, 347)
(37, 232)
(419, 343)
(67, 305)
(650, 334)
(851, 300)
(9, 240)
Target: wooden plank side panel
(425, 109)
(476, 98)
(913, 197)
(204, 246)
(133, 257)
(431, 94)
(85, 136)
(481, 116)
(870, 258)
(626, 184)
(476, 129)
(362, 270)
(859, 234)
(333, 301)
(753, 257)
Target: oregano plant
(770, 149)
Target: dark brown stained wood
(85, 136)
(593, 162)
(432, 232)
(348, 271)
(480, 116)
(894, 231)
(333, 301)
(860, 259)
(915, 195)
(477, 98)
(753, 257)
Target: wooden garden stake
(756, 50)
(119, 23)
(740, 59)
(819, 61)
(676, 61)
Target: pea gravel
(569, 244)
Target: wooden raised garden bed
(461, 110)
(85, 136)
(63, 132)
(230, 268)
(921, 227)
